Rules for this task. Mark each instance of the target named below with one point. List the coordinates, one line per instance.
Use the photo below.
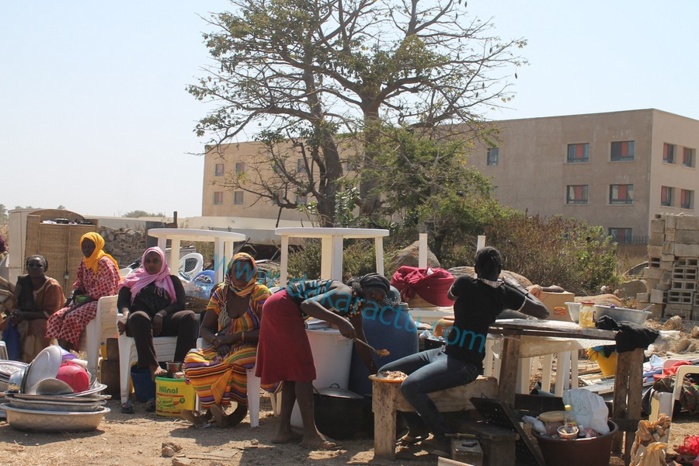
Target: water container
(388, 327)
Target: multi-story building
(616, 169)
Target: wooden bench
(387, 399)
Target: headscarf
(140, 278)
(254, 290)
(236, 269)
(370, 280)
(92, 262)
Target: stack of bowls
(36, 400)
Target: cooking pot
(338, 412)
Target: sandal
(127, 408)
(150, 406)
(411, 439)
(324, 445)
(219, 416)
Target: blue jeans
(430, 371)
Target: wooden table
(628, 382)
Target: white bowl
(53, 421)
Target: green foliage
(141, 213)
(358, 259)
(426, 185)
(555, 251)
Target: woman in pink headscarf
(153, 302)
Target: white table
(223, 245)
(331, 248)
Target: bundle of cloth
(430, 284)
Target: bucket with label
(172, 396)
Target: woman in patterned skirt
(98, 275)
(230, 329)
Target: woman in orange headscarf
(98, 275)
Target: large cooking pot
(338, 412)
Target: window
(238, 198)
(300, 166)
(623, 150)
(240, 167)
(666, 193)
(576, 194)
(688, 157)
(493, 156)
(621, 194)
(687, 199)
(218, 198)
(301, 200)
(218, 169)
(668, 153)
(621, 235)
(578, 153)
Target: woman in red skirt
(284, 353)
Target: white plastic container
(332, 356)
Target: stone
(410, 255)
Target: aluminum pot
(338, 412)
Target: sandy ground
(138, 440)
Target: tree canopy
(317, 81)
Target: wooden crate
(59, 244)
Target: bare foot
(287, 437)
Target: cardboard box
(555, 303)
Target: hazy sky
(94, 114)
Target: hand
(347, 330)
(121, 327)
(223, 350)
(16, 317)
(535, 290)
(157, 324)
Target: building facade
(616, 169)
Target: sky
(94, 115)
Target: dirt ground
(138, 439)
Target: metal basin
(621, 314)
(53, 421)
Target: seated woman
(98, 276)
(284, 353)
(37, 296)
(479, 301)
(152, 301)
(230, 330)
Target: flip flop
(150, 406)
(219, 416)
(127, 408)
(408, 439)
(326, 445)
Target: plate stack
(38, 401)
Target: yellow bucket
(172, 396)
(606, 364)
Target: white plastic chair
(664, 402)
(190, 265)
(164, 351)
(253, 386)
(125, 271)
(100, 328)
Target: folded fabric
(431, 284)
